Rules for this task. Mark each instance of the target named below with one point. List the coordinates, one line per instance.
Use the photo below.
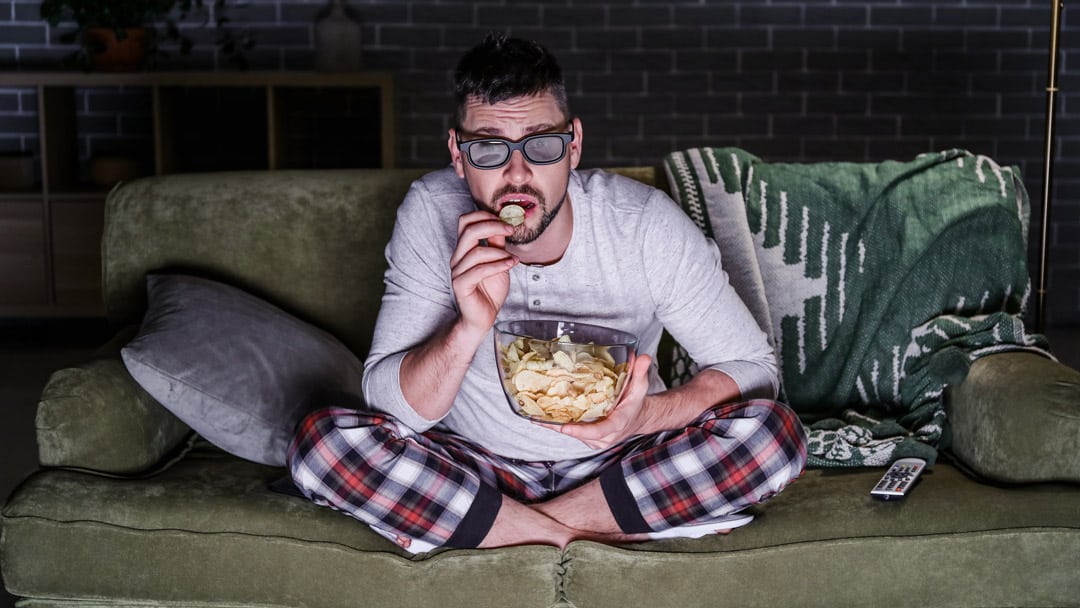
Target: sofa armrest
(1016, 419)
(95, 416)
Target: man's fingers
(492, 257)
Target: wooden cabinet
(50, 234)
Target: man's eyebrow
(497, 132)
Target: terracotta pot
(109, 54)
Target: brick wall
(788, 80)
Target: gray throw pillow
(238, 370)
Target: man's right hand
(431, 373)
(480, 269)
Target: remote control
(897, 481)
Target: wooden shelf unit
(50, 235)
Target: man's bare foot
(518, 524)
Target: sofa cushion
(209, 532)
(231, 541)
(95, 416)
(238, 370)
(1016, 419)
(310, 241)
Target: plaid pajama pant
(438, 488)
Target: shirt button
(536, 277)
(536, 302)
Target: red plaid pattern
(438, 488)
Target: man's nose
(518, 170)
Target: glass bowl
(561, 371)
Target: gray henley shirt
(635, 262)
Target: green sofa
(129, 508)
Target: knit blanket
(877, 283)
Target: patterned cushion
(881, 280)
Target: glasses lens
(488, 153)
(544, 148)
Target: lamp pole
(1048, 162)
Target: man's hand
(640, 414)
(631, 415)
(480, 269)
(432, 372)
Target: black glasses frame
(466, 146)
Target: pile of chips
(556, 381)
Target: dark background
(787, 80)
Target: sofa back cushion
(311, 242)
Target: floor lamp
(1048, 162)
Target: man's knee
(781, 445)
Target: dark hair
(500, 68)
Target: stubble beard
(523, 235)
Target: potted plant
(118, 35)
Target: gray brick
(410, 36)
(788, 82)
(709, 60)
(729, 82)
(705, 104)
(698, 16)
(560, 16)
(597, 38)
(837, 15)
(16, 123)
(997, 127)
(9, 100)
(503, 16)
(996, 39)
(743, 38)
(19, 33)
(783, 61)
(693, 82)
(843, 106)
(433, 14)
(876, 38)
(871, 82)
(722, 126)
(674, 126)
(553, 38)
(1024, 17)
(644, 16)
(757, 104)
(672, 38)
(1025, 61)
(967, 17)
(843, 61)
(799, 127)
(804, 39)
(619, 82)
(242, 14)
(757, 14)
(903, 15)
(867, 126)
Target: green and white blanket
(877, 283)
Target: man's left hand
(631, 415)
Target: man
(440, 459)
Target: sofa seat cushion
(824, 542)
(230, 540)
(207, 531)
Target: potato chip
(555, 381)
(512, 214)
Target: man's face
(539, 189)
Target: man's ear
(575, 146)
(455, 154)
